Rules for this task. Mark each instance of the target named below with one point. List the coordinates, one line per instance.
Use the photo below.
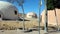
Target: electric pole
(40, 3)
(46, 17)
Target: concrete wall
(8, 10)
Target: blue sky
(30, 6)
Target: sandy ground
(19, 24)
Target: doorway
(0, 15)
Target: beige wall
(51, 16)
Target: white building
(8, 11)
(31, 15)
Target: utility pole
(21, 4)
(46, 17)
(40, 3)
(23, 18)
(22, 1)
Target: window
(15, 12)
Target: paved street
(21, 32)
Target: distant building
(21, 15)
(8, 11)
(31, 15)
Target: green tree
(50, 4)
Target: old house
(31, 15)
